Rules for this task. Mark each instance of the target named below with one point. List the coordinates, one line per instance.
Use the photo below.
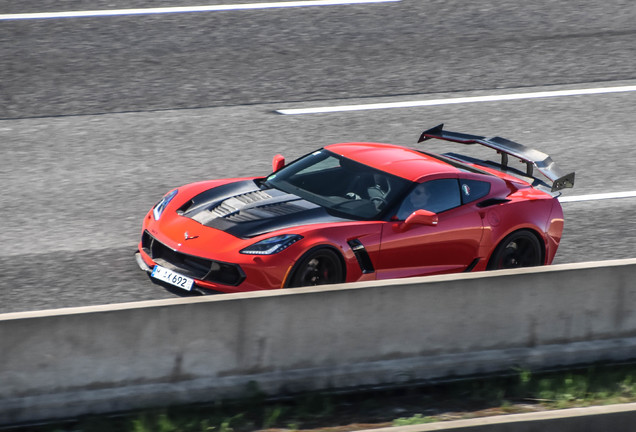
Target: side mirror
(278, 162)
(421, 217)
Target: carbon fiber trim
(364, 260)
(533, 158)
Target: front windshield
(339, 184)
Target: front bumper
(145, 267)
(256, 272)
(142, 264)
(200, 269)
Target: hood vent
(242, 210)
(236, 203)
(264, 212)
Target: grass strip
(516, 392)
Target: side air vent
(364, 261)
(491, 202)
(472, 265)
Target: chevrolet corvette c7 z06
(357, 212)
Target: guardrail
(68, 362)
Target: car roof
(397, 160)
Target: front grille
(191, 266)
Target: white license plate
(172, 278)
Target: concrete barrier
(110, 358)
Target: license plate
(173, 278)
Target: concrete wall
(109, 358)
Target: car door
(449, 246)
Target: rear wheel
(519, 249)
(317, 267)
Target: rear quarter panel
(528, 209)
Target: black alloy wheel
(317, 267)
(519, 249)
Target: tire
(317, 267)
(519, 249)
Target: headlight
(161, 205)
(272, 245)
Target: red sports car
(356, 212)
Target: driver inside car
(416, 200)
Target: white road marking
(596, 197)
(185, 9)
(460, 100)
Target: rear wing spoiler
(532, 158)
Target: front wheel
(519, 249)
(318, 267)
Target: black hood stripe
(244, 210)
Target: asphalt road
(101, 116)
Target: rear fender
(554, 230)
(534, 215)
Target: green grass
(520, 391)
(416, 419)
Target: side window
(473, 190)
(436, 196)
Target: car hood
(244, 210)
